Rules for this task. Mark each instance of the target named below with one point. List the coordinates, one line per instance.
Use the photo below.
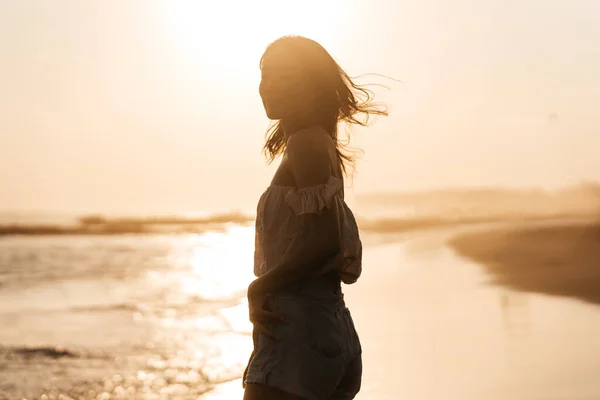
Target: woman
(307, 241)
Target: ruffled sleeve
(314, 199)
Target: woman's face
(284, 89)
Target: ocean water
(123, 316)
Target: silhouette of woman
(307, 240)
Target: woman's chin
(272, 115)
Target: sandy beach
(562, 260)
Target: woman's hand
(261, 317)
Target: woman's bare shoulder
(314, 141)
(310, 156)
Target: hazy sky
(152, 106)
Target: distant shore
(562, 260)
(99, 225)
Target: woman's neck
(291, 127)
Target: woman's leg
(257, 391)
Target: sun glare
(229, 36)
(221, 264)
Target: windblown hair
(338, 97)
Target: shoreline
(559, 260)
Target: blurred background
(130, 168)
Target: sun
(229, 36)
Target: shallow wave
(38, 352)
(194, 305)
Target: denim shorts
(318, 356)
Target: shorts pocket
(323, 329)
(356, 340)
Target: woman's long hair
(338, 98)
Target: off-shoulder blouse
(277, 223)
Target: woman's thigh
(258, 391)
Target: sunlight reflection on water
(138, 316)
(221, 264)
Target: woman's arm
(319, 239)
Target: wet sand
(432, 326)
(562, 260)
